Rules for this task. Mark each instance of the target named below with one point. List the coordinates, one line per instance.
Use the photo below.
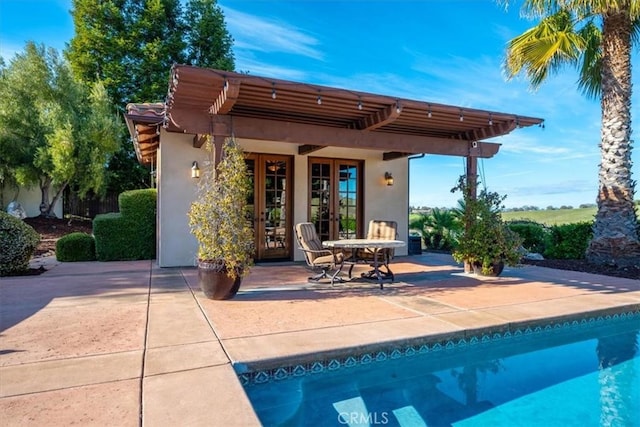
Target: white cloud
(8, 50)
(254, 33)
(259, 68)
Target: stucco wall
(29, 198)
(176, 191)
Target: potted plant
(485, 243)
(217, 220)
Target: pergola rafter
(205, 101)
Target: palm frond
(590, 78)
(545, 48)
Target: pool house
(332, 156)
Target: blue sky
(443, 51)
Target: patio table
(376, 245)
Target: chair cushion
(380, 229)
(329, 259)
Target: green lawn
(553, 217)
(558, 216)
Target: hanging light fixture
(359, 104)
(388, 178)
(273, 92)
(461, 115)
(490, 119)
(195, 170)
(429, 111)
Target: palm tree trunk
(615, 237)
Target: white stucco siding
(387, 202)
(176, 191)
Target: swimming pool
(581, 372)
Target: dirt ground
(52, 229)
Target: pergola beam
(379, 118)
(227, 97)
(392, 155)
(307, 149)
(315, 135)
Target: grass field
(556, 217)
(553, 217)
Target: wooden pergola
(203, 101)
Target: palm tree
(595, 36)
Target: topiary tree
(18, 241)
(76, 247)
(131, 233)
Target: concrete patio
(127, 343)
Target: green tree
(157, 38)
(131, 45)
(595, 36)
(59, 130)
(208, 42)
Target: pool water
(587, 374)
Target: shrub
(76, 247)
(534, 235)
(131, 233)
(569, 241)
(486, 240)
(18, 241)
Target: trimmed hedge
(131, 233)
(76, 247)
(569, 241)
(18, 241)
(533, 234)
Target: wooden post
(472, 193)
(472, 177)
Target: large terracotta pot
(496, 269)
(216, 284)
(468, 267)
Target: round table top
(363, 243)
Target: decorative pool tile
(334, 364)
(418, 348)
(396, 353)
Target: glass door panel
(320, 199)
(271, 202)
(276, 220)
(335, 205)
(348, 204)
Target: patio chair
(317, 257)
(380, 229)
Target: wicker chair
(317, 257)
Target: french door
(271, 201)
(335, 198)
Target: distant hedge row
(566, 241)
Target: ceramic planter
(216, 284)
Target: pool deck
(128, 343)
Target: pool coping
(298, 365)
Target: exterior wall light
(195, 170)
(388, 178)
